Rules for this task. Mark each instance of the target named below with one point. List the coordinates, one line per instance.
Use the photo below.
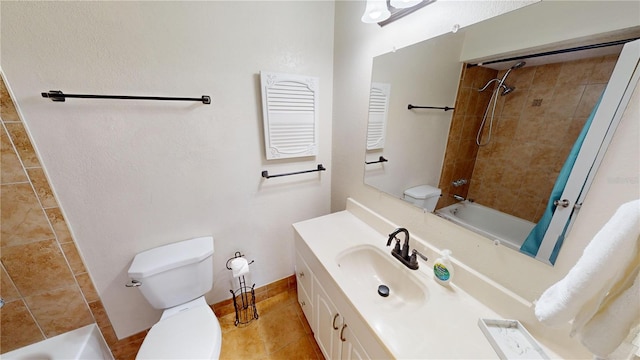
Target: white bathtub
(83, 343)
(511, 231)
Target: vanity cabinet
(338, 329)
(333, 334)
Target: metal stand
(244, 298)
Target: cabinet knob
(342, 333)
(334, 321)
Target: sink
(366, 267)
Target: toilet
(424, 196)
(174, 278)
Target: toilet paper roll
(239, 266)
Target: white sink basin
(366, 267)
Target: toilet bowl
(174, 278)
(424, 196)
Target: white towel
(611, 325)
(604, 263)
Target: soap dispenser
(443, 269)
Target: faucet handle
(413, 260)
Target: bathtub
(83, 343)
(509, 230)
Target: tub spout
(458, 197)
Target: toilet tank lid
(422, 191)
(170, 256)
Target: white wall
(358, 43)
(425, 74)
(135, 175)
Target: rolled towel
(608, 328)
(580, 293)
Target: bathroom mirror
(546, 103)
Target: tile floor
(280, 332)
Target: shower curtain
(533, 241)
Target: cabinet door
(304, 278)
(328, 323)
(351, 347)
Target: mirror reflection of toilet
(424, 196)
(174, 278)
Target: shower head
(518, 65)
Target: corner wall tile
(73, 257)
(22, 217)
(40, 183)
(59, 225)
(18, 135)
(86, 286)
(11, 170)
(59, 311)
(17, 326)
(8, 111)
(37, 267)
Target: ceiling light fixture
(384, 12)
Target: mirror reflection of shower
(502, 89)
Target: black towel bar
(265, 174)
(381, 159)
(59, 96)
(446, 108)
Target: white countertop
(444, 326)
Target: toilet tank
(424, 196)
(175, 273)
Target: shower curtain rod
(59, 96)
(556, 52)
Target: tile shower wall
(461, 151)
(534, 130)
(45, 285)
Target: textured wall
(133, 175)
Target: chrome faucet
(402, 254)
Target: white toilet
(424, 196)
(174, 278)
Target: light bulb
(402, 4)
(375, 11)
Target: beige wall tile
(87, 288)
(18, 135)
(73, 257)
(8, 291)
(37, 267)
(11, 170)
(100, 314)
(59, 225)
(18, 327)
(60, 310)
(23, 220)
(40, 183)
(7, 109)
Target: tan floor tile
(301, 349)
(280, 327)
(243, 343)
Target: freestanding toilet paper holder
(244, 297)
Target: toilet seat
(191, 334)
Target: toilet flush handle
(133, 283)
